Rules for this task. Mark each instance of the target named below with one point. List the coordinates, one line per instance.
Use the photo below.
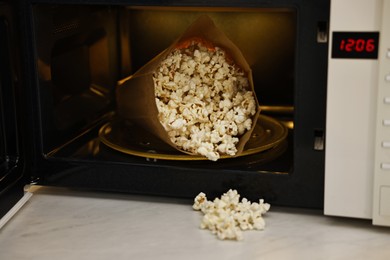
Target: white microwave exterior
(351, 116)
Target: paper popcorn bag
(197, 95)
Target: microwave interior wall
(80, 52)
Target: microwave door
(11, 170)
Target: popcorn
(196, 96)
(203, 100)
(227, 217)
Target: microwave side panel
(381, 188)
(351, 106)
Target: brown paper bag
(135, 94)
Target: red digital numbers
(357, 45)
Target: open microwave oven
(320, 72)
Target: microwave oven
(320, 72)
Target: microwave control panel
(381, 198)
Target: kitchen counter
(59, 224)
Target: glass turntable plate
(130, 139)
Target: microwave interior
(82, 51)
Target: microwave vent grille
(66, 27)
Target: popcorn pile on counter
(204, 101)
(227, 217)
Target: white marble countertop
(66, 224)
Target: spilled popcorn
(227, 217)
(203, 100)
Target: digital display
(355, 45)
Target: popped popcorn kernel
(199, 201)
(197, 88)
(227, 217)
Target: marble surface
(66, 224)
